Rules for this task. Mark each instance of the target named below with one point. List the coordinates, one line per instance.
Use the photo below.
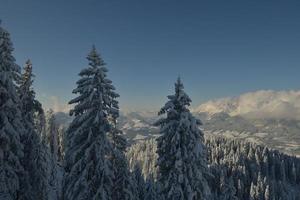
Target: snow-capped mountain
(264, 104)
(266, 116)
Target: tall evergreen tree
(260, 187)
(52, 134)
(252, 195)
(227, 188)
(35, 153)
(14, 183)
(240, 189)
(40, 124)
(123, 183)
(88, 166)
(267, 193)
(51, 139)
(182, 156)
(139, 181)
(151, 189)
(294, 173)
(61, 137)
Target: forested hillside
(89, 158)
(239, 170)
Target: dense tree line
(24, 155)
(241, 170)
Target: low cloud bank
(266, 104)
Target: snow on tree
(88, 166)
(26, 92)
(282, 171)
(227, 189)
(139, 181)
(35, 152)
(52, 141)
(267, 193)
(182, 156)
(40, 124)
(260, 186)
(151, 192)
(240, 189)
(14, 181)
(220, 153)
(294, 173)
(252, 192)
(61, 143)
(52, 134)
(144, 155)
(123, 183)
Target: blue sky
(219, 48)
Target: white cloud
(261, 104)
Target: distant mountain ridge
(245, 117)
(263, 104)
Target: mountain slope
(266, 117)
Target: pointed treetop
(28, 62)
(95, 58)
(178, 86)
(181, 137)
(6, 49)
(177, 102)
(181, 97)
(28, 75)
(28, 65)
(93, 50)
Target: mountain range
(265, 117)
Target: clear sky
(219, 48)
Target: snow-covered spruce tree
(88, 166)
(139, 181)
(151, 189)
(252, 195)
(227, 189)
(36, 157)
(143, 154)
(14, 182)
(182, 161)
(267, 193)
(123, 183)
(51, 139)
(52, 134)
(40, 124)
(61, 142)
